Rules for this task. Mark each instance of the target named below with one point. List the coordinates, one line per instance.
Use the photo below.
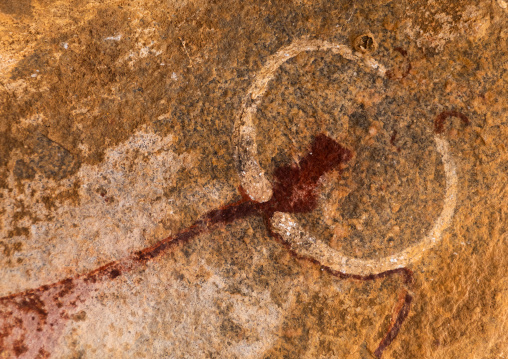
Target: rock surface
(125, 122)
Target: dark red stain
(392, 140)
(401, 51)
(406, 274)
(440, 120)
(67, 287)
(393, 137)
(31, 303)
(394, 330)
(390, 74)
(6, 330)
(20, 347)
(114, 273)
(294, 191)
(294, 188)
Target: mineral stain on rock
(15, 7)
(23, 170)
(51, 159)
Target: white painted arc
(252, 176)
(258, 187)
(304, 244)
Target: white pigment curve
(304, 244)
(258, 187)
(252, 176)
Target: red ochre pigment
(31, 321)
(391, 74)
(440, 119)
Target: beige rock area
(254, 179)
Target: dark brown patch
(294, 186)
(22, 170)
(31, 302)
(101, 191)
(401, 51)
(398, 74)
(393, 137)
(19, 347)
(22, 212)
(8, 250)
(5, 330)
(51, 159)
(68, 286)
(71, 196)
(79, 317)
(16, 7)
(37, 63)
(18, 231)
(114, 273)
(440, 119)
(49, 202)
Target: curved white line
(252, 176)
(258, 187)
(304, 244)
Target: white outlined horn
(252, 176)
(258, 187)
(306, 245)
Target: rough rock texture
(119, 126)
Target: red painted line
(394, 330)
(440, 119)
(32, 320)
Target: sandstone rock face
(245, 179)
